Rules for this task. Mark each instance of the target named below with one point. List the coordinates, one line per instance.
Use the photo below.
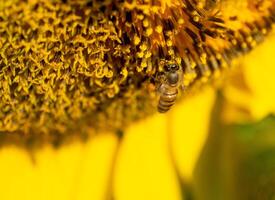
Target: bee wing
(161, 89)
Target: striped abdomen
(167, 98)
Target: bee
(169, 88)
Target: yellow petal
(144, 169)
(15, 173)
(75, 171)
(92, 180)
(254, 97)
(188, 128)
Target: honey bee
(169, 88)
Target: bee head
(171, 67)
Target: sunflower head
(100, 63)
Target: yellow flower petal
(75, 171)
(94, 173)
(144, 169)
(259, 74)
(254, 97)
(15, 171)
(188, 127)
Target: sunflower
(79, 97)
